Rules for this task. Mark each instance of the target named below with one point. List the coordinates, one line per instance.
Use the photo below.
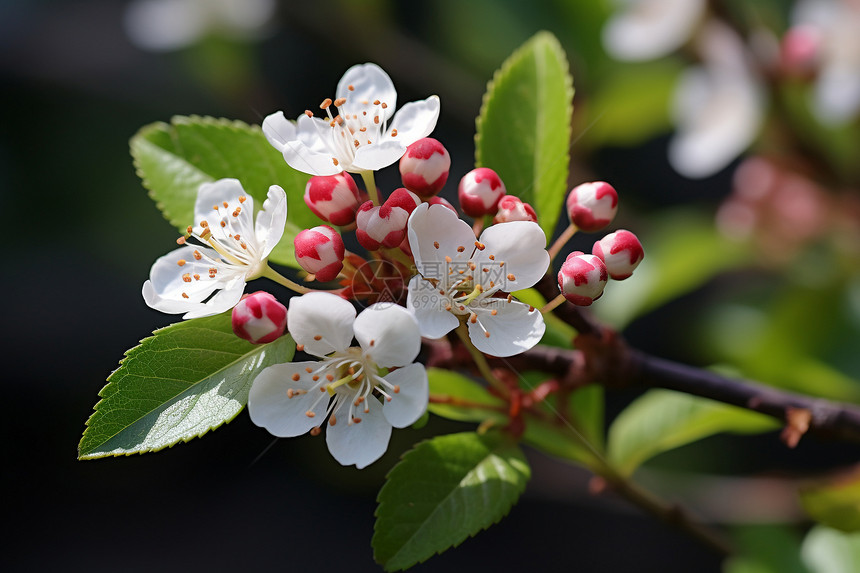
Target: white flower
(184, 280)
(648, 29)
(347, 385)
(365, 135)
(164, 25)
(718, 107)
(836, 94)
(459, 276)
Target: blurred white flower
(718, 106)
(649, 29)
(164, 25)
(836, 94)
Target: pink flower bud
(801, 49)
(320, 252)
(436, 200)
(592, 206)
(512, 209)
(333, 198)
(259, 318)
(621, 251)
(385, 226)
(424, 167)
(480, 191)
(582, 278)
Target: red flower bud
(480, 191)
(621, 252)
(582, 278)
(320, 252)
(385, 225)
(512, 209)
(424, 167)
(259, 318)
(592, 206)
(333, 198)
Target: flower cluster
(465, 275)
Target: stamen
(325, 103)
(481, 246)
(339, 101)
(376, 102)
(511, 277)
(334, 160)
(180, 241)
(384, 105)
(196, 277)
(184, 295)
(492, 257)
(317, 337)
(356, 420)
(300, 347)
(296, 377)
(197, 255)
(494, 312)
(486, 334)
(397, 389)
(310, 414)
(309, 113)
(186, 277)
(308, 369)
(332, 420)
(315, 431)
(393, 133)
(436, 244)
(460, 249)
(350, 87)
(242, 199)
(473, 318)
(447, 259)
(181, 262)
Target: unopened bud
(424, 167)
(621, 252)
(592, 206)
(512, 209)
(333, 198)
(582, 278)
(480, 191)
(385, 225)
(320, 251)
(259, 318)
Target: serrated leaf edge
(126, 356)
(469, 535)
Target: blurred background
(730, 130)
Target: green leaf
(835, 503)
(443, 491)
(465, 400)
(766, 548)
(523, 130)
(662, 420)
(183, 381)
(826, 550)
(173, 160)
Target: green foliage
(631, 106)
(443, 491)
(466, 399)
(835, 504)
(173, 160)
(766, 549)
(662, 420)
(183, 381)
(523, 130)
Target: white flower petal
(409, 404)
(432, 225)
(309, 152)
(324, 316)
(415, 120)
(218, 192)
(370, 83)
(521, 245)
(428, 307)
(270, 407)
(363, 443)
(376, 156)
(224, 300)
(278, 130)
(514, 329)
(648, 29)
(269, 226)
(388, 335)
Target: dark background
(73, 89)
